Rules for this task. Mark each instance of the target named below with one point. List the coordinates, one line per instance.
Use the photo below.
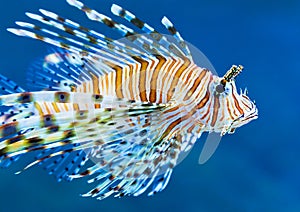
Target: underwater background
(255, 169)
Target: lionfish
(119, 111)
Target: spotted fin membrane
(24, 137)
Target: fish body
(132, 108)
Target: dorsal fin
(155, 35)
(148, 44)
(181, 43)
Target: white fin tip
(116, 9)
(24, 24)
(15, 31)
(17, 173)
(48, 13)
(165, 21)
(75, 3)
(33, 16)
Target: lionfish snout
(249, 109)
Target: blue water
(256, 169)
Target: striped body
(132, 109)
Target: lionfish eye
(220, 88)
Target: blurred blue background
(256, 169)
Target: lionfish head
(239, 107)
